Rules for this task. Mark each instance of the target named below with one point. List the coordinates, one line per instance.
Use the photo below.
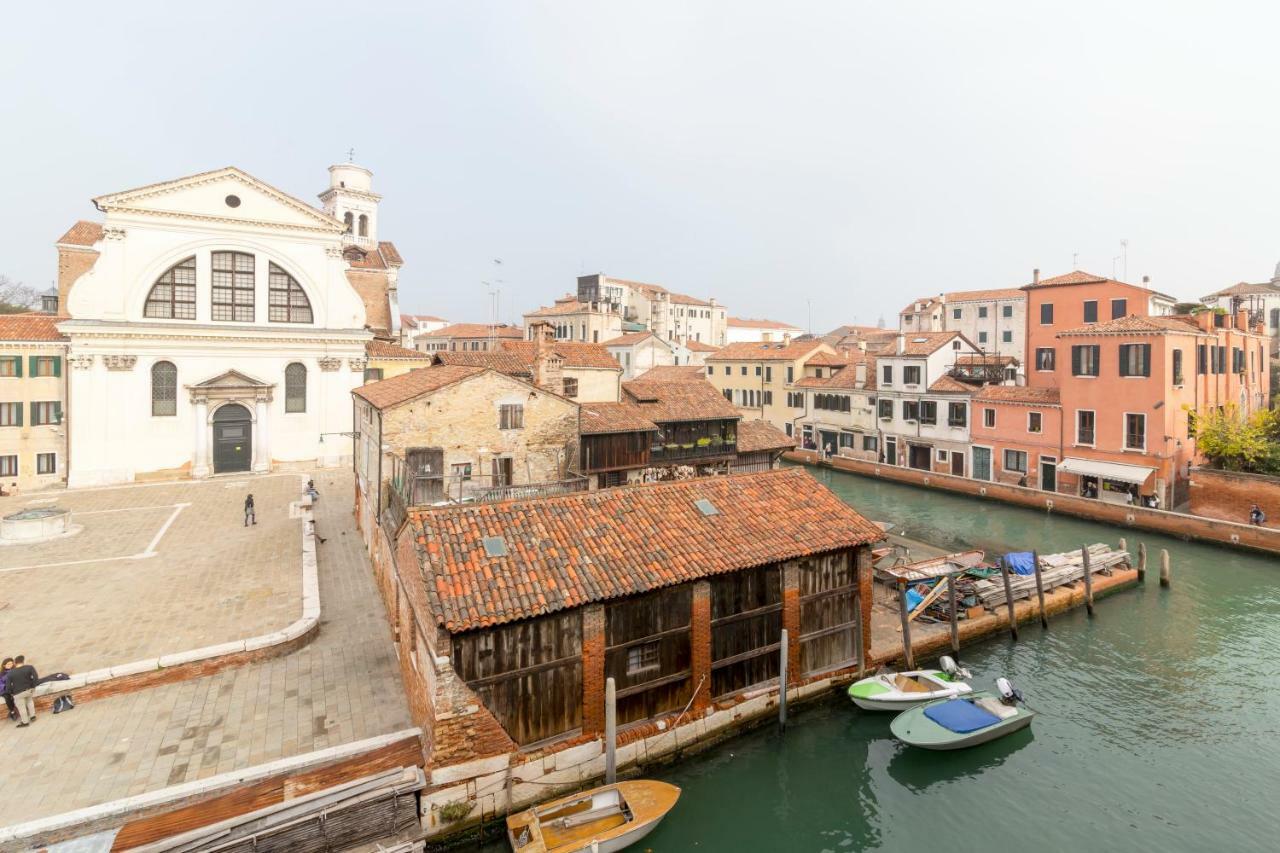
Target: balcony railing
(665, 453)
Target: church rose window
(173, 296)
(295, 388)
(233, 286)
(286, 300)
(164, 389)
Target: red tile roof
(758, 435)
(630, 339)
(567, 551)
(1244, 288)
(827, 359)
(1018, 394)
(30, 327)
(476, 330)
(382, 349)
(844, 379)
(699, 346)
(985, 295)
(415, 383)
(764, 351)
(946, 384)
(748, 323)
(664, 402)
(923, 343)
(600, 418)
(574, 354)
(83, 233)
(566, 305)
(980, 359)
(503, 362)
(1138, 326)
(414, 319)
(673, 373)
(1073, 277)
(380, 257)
(682, 299)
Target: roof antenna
(351, 155)
(1075, 258)
(1124, 244)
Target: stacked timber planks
(1055, 570)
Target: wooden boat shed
(678, 591)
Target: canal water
(1159, 724)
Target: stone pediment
(232, 385)
(231, 379)
(227, 194)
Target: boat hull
(647, 803)
(913, 728)
(878, 692)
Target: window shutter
(57, 365)
(1146, 359)
(31, 365)
(17, 410)
(17, 366)
(57, 412)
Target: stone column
(700, 646)
(261, 438)
(200, 466)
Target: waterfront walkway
(343, 686)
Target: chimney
(902, 343)
(1146, 279)
(1035, 276)
(786, 339)
(548, 367)
(860, 375)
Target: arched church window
(347, 219)
(364, 225)
(286, 300)
(295, 388)
(233, 286)
(173, 296)
(164, 389)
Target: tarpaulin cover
(960, 716)
(913, 599)
(1020, 562)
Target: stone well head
(34, 525)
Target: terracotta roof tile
(748, 323)
(83, 233)
(673, 373)
(575, 354)
(1138, 326)
(758, 435)
(947, 384)
(415, 383)
(979, 359)
(1244, 288)
(503, 362)
(985, 295)
(564, 552)
(476, 330)
(664, 402)
(382, 349)
(827, 359)
(1018, 394)
(390, 254)
(699, 346)
(924, 343)
(31, 327)
(764, 351)
(567, 305)
(682, 299)
(630, 339)
(599, 418)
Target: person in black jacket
(22, 683)
(250, 517)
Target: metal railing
(678, 452)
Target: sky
(818, 163)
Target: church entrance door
(232, 439)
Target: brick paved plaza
(343, 687)
(88, 601)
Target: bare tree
(16, 297)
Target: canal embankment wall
(1228, 495)
(1179, 524)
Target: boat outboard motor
(950, 667)
(1009, 694)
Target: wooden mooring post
(1165, 572)
(907, 656)
(1044, 617)
(1088, 580)
(1142, 562)
(610, 732)
(955, 624)
(782, 684)
(1008, 600)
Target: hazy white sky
(853, 154)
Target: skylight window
(919, 340)
(495, 546)
(706, 507)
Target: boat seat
(995, 706)
(589, 816)
(907, 684)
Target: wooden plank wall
(615, 451)
(746, 628)
(828, 602)
(658, 621)
(528, 674)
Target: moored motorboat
(602, 820)
(962, 722)
(897, 691)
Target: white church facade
(218, 325)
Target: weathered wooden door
(982, 463)
(746, 628)
(426, 468)
(957, 463)
(828, 608)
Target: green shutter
(57, 411)
(57, 365)
(18, 406)
(17, 366)
(31, 365)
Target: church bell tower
(350, 199)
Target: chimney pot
(1035, 276)
(1146, 279)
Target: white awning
(1107, 470)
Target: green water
(1159, 724)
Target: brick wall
(72, 263)
(1228, 495)
(1177, 524)
(700, 645)
(791, 618)
(593, 669)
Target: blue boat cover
(960, 716)
(913, 599)
(1021, 562)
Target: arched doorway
(232, 439)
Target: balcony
(667, 454)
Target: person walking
(1256, 516)
(21, 682)
(12, 706)
(249, 516)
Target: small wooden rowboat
(898, 691)
(959, 723)
(602, 820)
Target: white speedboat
(898, 691)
